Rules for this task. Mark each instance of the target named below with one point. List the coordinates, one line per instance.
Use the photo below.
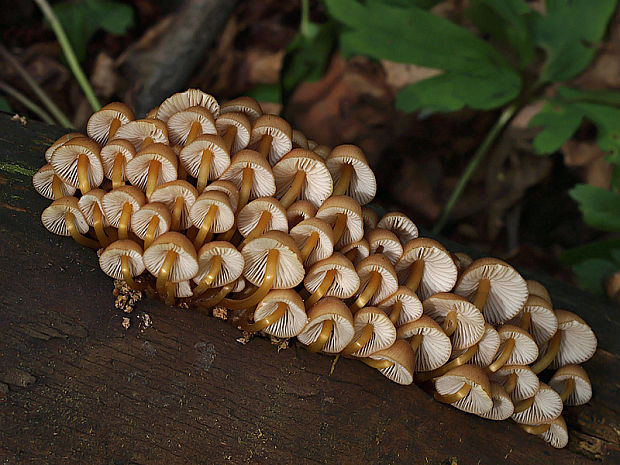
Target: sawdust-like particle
(126, 322)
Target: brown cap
(191, 155)
(180, 124)
(543, 322)
(300, 210)
(42, 183)
(361, 247)
(435, 348)
(231, 266)
(329, 308)
(578, 340)
(354, 229)
(363, 185)
(114, 201)
(111, 150)
(525, 349)
(137, 131)
(168, 193)
(87, 203)
(582, 390)
(138, 168)
(141, 219)
(227, 188)
(294, 319)
(58, 142)
(537, 289)
(547, 406)
(183, 100)
(224, 217)
(185, 266)
(383, 331)
(242, 125)
(110, 259)
(324, 247)
(402, 357)
(53, 217)
(65, 157)
(381, 265)
(399, 224)
(246, 105)
(346, 281)
(98, 126)
(392, 247)
(527, 383)
(277, 128)
(263, 182)
(557, 434)
(250, 215)
(317, 186)
(411, 306)
(370, 218)
(478, 400)
(503, 407)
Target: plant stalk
(305, 17)
(33, 107)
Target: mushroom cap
(317, 185)
(249, 216)
(478, 400)
(263, 182)
(363, 185)
(137, 169)
(322, 151)
(289, 271)
(507, 294)
(411, 306)
(185, 266)
(110, 151)
(137, 131)
(312, 144)
(503, 408)
(244, 104)
(42, 183)
(362, 247)
(434, 350)
(53, 217)
(543, 323)
(324, 247)
(392, 248)
(488, 346)
(152, 113)
(527, 382)
(401, 355)
(439, 273)
(239, 121)
(399, 224)
(578, 340)
(329, 308)
(370, 218)
(557, 434)
(300, 209)
(231, 267)
(354, 229)
(383, 332)
(293, 320)
(525, 349)
(110, 259)
(224, 217)
(389, 281)
(470, 323)
(547, 406)
(65, 161)
(227, 188)
(277, 128)
(87, 205)
(346, 281)
(98, 126)
(180, 124)
(141, 219)
(582, 392)
(299, 140)
(462, 261)
(183, 100)
(168, 192)
(191, 155)
(537, 289)
(58, 142)
(114, 201)
(183, 289)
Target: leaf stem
(33, 107)
(473, 164)
(305, 17)
(69, 53)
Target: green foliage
(81, 19)
(592, 273)
(4, 105)
(266, 93)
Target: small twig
(36, 88)
(33, 107)
(69, 53)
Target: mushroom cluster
(222, 205)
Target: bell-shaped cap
(557, 434)
(299, 140)
(346, 281)
(114, 201)
(411, 308)
(137, 169)
(191, 155)
(399, 224)
(362, 250)
(42, 183)
(547, 406)
(180, 124)
(87, 203)
(543, 322)
(478, 400)
(462, 261)
(141, 219)
(246, 105)
(139, 130)
(298, 211)
(58, 142)
(370, 218)
(111, 150)
(402, 358)
(243, 129)
(341, 204)
(183, 100)
(329, 308)
(537, 289)
(224, 216)
(294, 318)
(250, 215)
(277, 128)
(578, 340)
(435, 348)
(488, 346)
(324, 247)
(582, 390)
(263, 182)
(389, 243)
(322, 151)
(65, 161)
(186, 264)
(363, 185)
(503, 407)
(525, 349)
(98, 126)
(383, 331)
(389, 281)
(317, 185)
(526, 382)
(111, 258)
(227, 188)
(169, 192)
(53, 217)
(230, 268)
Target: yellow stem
(150, 231)
(450, 323)
(568, 390)
(366, 295)
(456, 362)
(322, 289)
(246, 188)
(203, 172)
(123, 224)
(57, 187)
(268, 320)
(500, 361)
(526, 321)
(321, 340)
(153, 175)
(205, 227)
(524, 405)
(228, 235)
(177, 211)
(79, 238)
(260, 228)
(345, 179)
(98, 225)
(146, 142)
(127, 277)
(537, 429)
(170, 294)
(351, 254)
(114, 125)
(164, 273)
(397, 308)
(194, 132)
(378, 364)
(117, 171)
(270, 275)
(415, 275)
(341, 223)
(511, 383)
(82, 172)
(415, 342)
(216, 298)
(265, 145)
(484, 286)
(309, 246)
(229, 137)
(214, 270)
(293, 191)
(552, 351)
(360, 342)
(452, 398)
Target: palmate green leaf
(570, 33)
(408, 34)
(600, 207)
(592, 273)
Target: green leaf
(266, 93)
(570, 33)
(567, 94)
(598, 249)
(4, 105)
(425, 4)
(559, 124)
(592, 273)
(600, 207)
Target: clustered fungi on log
(227, 206)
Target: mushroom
(151, 221)
(281, 313)
(219, 264)
(271, 261)
(329, 328)
(351, 174)
(271, 137)
(426, 267)
(179, 196)
(46, 183)
(64, 217)
(227, 188)
(183, 100)
(322, 151)
(385, 242)
(494, 287)
(91, 207)
(344, 215)
(467, 388)
(430, 344)
(537, 318)
(172, 259)
(104, 123)
(573, 385)
(186, 125)
(537, 289)
(518, 380)
(246, 105)
(301, 173)
(315, 240)
(299, 140)
(543, 407)
(299, 211)
(516, 348)
(58, 142)
(183, 289)
(403, 306)
(151, 167)
(356, 251)
(123, 260)
(395, 362)
(235, 129)
(77, 163)
(503, 407)
(377, 281)
(119, 205)
(399, 224)
(333, 276)
(260, 215)
(370, 218)
(206, 157)
(555, 432)
(152, 113)
(143, 132)
(462, 261)
(114, 157)
(373, 332)
(211, 212)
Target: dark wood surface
(76, 387)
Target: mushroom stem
(205, 227)
(146, 142)
(203, 172)
(164, 273)
(341, 223)
(511, 383)
(246, 187)
(117, 171)
(293, 191)
(229, 137)
(397, 308)
(351, 254)
(450, 323)
(537, 430)
(150, 231)
(309, 245)
(182, 173)
(265, 145)
(415, 275)
(123, 223)
(345, 179)
(270, 276)
(455, 362)
(214, 270)
(360, 342)
(268, 320)
(261, 226)
(415, 342)
(451, 398)
(378, 364)
(82, 173)
(321, 340)
(524, 404)
(501, 360)
(194, 131)
(170, 294)
(368, 292)
(526, 321)
(127, 274)
(484, 286)
(322, 289)
(114, 125)
(151, 180)
(228, 235)
(75, 234)
(216, 298)
(177, 211)
(98, 225)
(57, 187)
(552, 351)
(568, 390)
